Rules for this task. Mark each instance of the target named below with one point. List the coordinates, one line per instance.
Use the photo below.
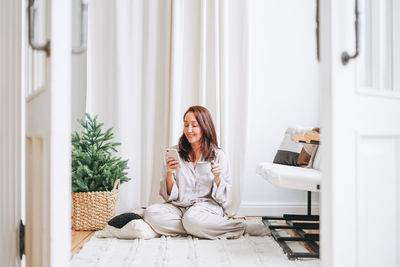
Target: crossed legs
(197, 220)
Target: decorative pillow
(289, 150)
(317, 159)
(122, 219)
(307, 153)
(129, 226)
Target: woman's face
(192, 129)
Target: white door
(48, 123)
(361, 134)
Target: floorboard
(78, 239)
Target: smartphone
(172, 153)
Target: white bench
(298, 178)
(291, 177)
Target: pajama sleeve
(163, 186)
(221, 193)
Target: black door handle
(345, 56)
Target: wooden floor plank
(78, 239)
(253, 218)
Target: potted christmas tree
(96, 175)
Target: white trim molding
(275, 208)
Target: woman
(194, 202)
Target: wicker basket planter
(92, 210)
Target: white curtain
(148, 61)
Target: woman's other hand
(172, 165)
(216, 171)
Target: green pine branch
(94, 164)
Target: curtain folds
(148, 61)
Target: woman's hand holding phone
(172, 160)
(172, 165)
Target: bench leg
(297, 227)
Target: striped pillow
(307, 153)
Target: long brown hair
(209, 141)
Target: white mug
(203, 167)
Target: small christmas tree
(94, 167)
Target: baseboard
(275, 209)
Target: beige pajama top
(190, 187)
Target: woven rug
(248, 251)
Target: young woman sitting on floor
(193, 201)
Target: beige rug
(247, 251)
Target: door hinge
(21, 239)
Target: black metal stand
(312, 222)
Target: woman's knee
(165, 219)
(194, 221)
(153, 213)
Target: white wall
(283, 91)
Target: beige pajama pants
(203, 219)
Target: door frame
(11, 112)
(48, 152)
(58, 163)
(338, 227)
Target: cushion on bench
(290, 176)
